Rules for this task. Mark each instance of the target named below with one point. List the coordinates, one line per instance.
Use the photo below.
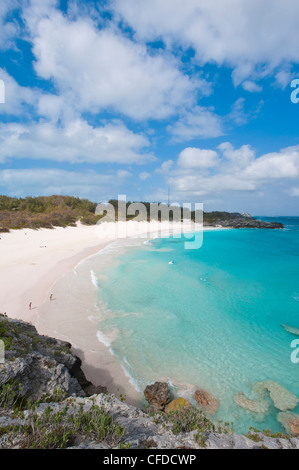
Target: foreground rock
(142, 431)
(39, 365)
(206, 401)
(157, 395)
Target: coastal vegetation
(45, 212)
(63, 211)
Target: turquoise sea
(212, 319)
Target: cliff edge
(47, 402)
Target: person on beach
(30, 305)
(51, 297)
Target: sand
(31, 263)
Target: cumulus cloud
(253, 37)
(103, 69)
(199, 123)
(284, 164)
(241, 157)
(204, 171)
(197, 158)
(77, 141)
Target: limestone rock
(93, 390)
(157, 395)
(40, 365)
(255, 406)
(282, 399)
(206, 401)
(176, 404)
(38, 376)
(291, 329)
(290, 421)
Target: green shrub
(58, 430)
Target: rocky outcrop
(291, 329)
(176, 405)
(249, 223)
(38, 376)
(255, 406)
(140, 429)
(282, 399)
(290, 422)
(157, 395)
(39, 365)
(206, 401)
(242, 221)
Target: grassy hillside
(63, 211)
(47, 212)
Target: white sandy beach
(32, 261)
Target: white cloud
(240, 157)
(8, 28)
(284, 164)
(144, 175)
(54, 107)
(239, 115)
(202, 171)
(45, 182)
(254, 37)
(197, 158)
(101, 69)
(165, 167)
(19, 101)
(252, 87)
(77, 141)
(198, 123)
(284, 78)
(195, 184)
(294, 192)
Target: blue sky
(135, 96)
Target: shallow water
(211, 319)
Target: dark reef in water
(236, 220)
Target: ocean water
(212, 319)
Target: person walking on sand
(30, 305)
(51, 297)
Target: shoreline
(34, 262)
